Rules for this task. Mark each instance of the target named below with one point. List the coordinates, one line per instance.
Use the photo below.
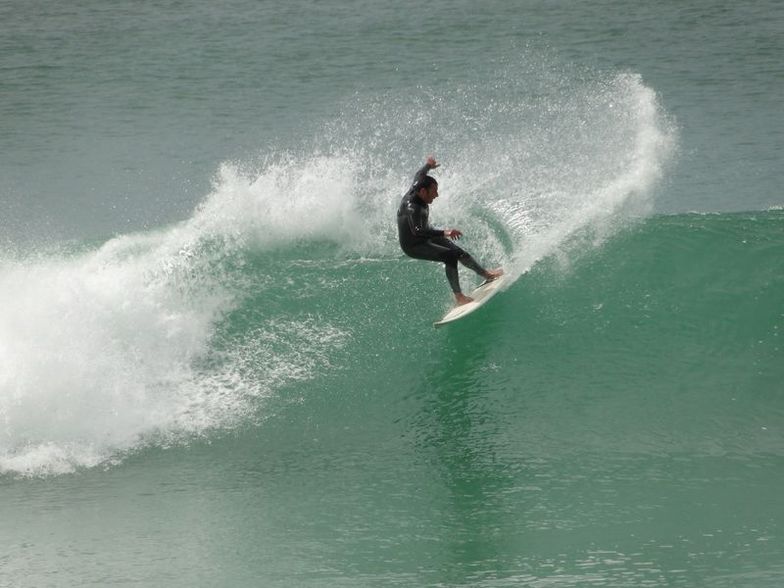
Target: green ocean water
(218, 369)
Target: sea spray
(92, 352)
(613, 172)
(529, 160)
(156, 337)
(104, 351)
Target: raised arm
(422, 172)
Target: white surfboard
(481, 295)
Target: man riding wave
(421, 241)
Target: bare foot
(493, 274)
(462, 299)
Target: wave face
(674, 328)
(159, 337)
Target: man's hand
(431, 162)
(453, 234)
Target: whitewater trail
(109, 349)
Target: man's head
(427, 189)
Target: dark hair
(425, 182)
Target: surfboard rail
(481, 295)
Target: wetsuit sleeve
(419, 231)
(421, 173)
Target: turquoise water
(217, 369)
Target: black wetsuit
(421, 241)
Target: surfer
(421, 241)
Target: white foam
(290, 200)
(103, 351)
(90, 350)
(100, 352)
(541, 155)
(599, 168)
